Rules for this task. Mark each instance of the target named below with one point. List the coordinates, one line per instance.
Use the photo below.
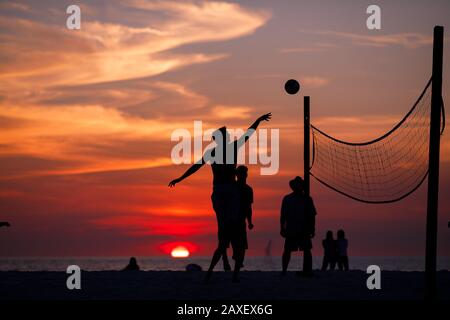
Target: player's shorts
(298, 243)
(225, 200)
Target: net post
(306, 156)
(433, 166)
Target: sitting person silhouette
(225, 197)
(4, 224)
(342, 245)
(132, 265)
(329, 251)
(297, 225)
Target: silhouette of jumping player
(297, 225)
(329, 251)
(4, 224)
(342, 245)
(225, 196)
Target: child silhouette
(342, 245)
(329, 251)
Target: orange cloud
(407, 40)
(314, 81)
(315, 47)
(232, 112)
(55, 101)
(102, 51)
(15, 6)
(60, 133)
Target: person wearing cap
(297, 222)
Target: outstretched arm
(192, 169)
(242, 140)
(264, 117)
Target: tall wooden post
(433, 165)
(306, 155)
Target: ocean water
(179, 264)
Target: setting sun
(180, 252)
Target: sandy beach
(177, 285)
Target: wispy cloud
(232, 112)
(316, 47)
(9, 5)
(63, 134)
(314, 81)
(104, 51)
(73, 96)
(85, 136)
(407, 40)
(259, 76)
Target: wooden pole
(433, 165)
(306, 155)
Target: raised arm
(192, 169)
(264, 117)
(242, 140)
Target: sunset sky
(86, 117)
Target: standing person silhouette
(329, 251)
(342, 245)
(239, 230)
(297, 223)
(245, 214)
(225, 196)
